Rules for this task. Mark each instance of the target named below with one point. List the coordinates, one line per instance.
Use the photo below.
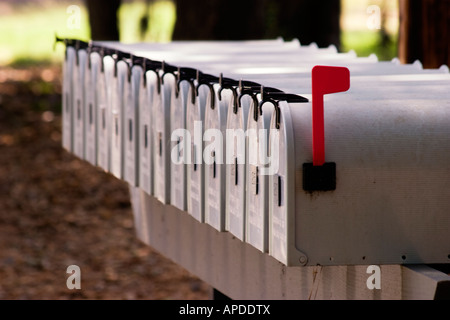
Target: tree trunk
(309, 21)
(219, 20)
(103, 19)
(424, 33)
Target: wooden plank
(242, 272)
(421, 282)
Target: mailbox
(261, 163)
(195, 115)
(119, 91)
(67, 101)
(90, 117)
(131, 109)
(103, 88)
(301, 165)
(180, 142)
(214, 154)
(236, 155)
(161, 142)
(150, 98)
(374, 189)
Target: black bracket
(319, 178)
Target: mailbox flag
(325, 80)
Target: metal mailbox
(381, 196)
(79, 84)
(235, 176)
(149, 93)
(131, 110)
(119, 91)
(67, 101)
(90, 117)
(180, 142)
(103, 88)
(161, 138)
(195, 115)
(354, 178)
(214, 154)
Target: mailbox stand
(241, 271)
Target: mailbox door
(235, 176)
(117, 118)
(149, 99)
(79, 100)
(282, 191)
(215, 141)
(91, 107)
(67, 101)
(257, 178)
(195, 115)
(178, 147)
(103, 89)
(161, 141)
(131, 141)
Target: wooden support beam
(240, 271)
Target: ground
(57, 210)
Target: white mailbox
(119, 91)
(90, 117)
(373, 187)
(214, 154)
(260, 164)
(180, 142)
(131, 108)
(195, 115)
(236, 155)
(103, 88)
(79, 99)
(150, 99)
(67, 101)
(161, 132)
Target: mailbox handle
(325, 80)
(228, 83)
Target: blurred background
(56, 210)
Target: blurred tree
(219, 20)
(103, 19)
(309, 21)
(424, 32)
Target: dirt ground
(57, 210)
